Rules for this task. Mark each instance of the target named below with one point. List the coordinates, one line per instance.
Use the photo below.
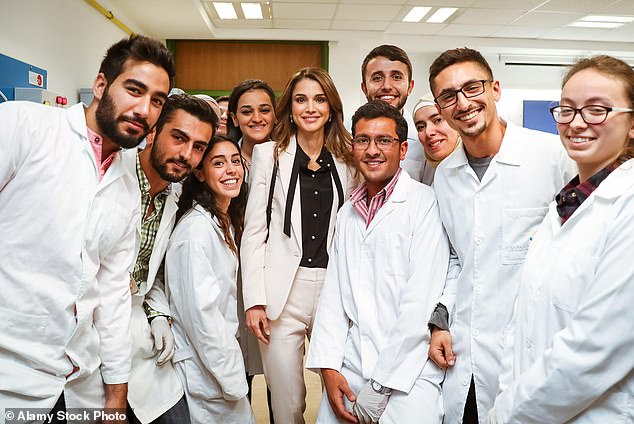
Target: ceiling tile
(553, 19)
(412, 28)
(490, 16)
(367, 12)
(360, 25)
(516, 31)
(623, 7)
(443, 3)
(303, 10)
(301, 23)
(507, 4)
(572, 33)
(469, 30)
(380, 2)
(581, 6)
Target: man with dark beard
(173, 149)
(68, 212)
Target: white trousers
(283, 357)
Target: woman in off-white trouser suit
(283, 266)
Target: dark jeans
(268, 397)
(177, 414)
(471, 407)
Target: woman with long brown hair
(298, 183)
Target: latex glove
(163, 339)
(491, 418)
(369, 405)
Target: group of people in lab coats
(445, 264)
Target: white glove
(370, 404)
(163, 339)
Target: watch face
(376, 386)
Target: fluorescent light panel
(598, 18)
(251, 10)
(225, 10)
(587, 24)
(441, 15)
(416, 14)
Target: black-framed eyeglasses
(382, 142)
(468, 90)
(591, 114)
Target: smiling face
(378, 167)
(470, 117)
(255, 116)
(387, 80)
(223, 173)
(180, 146)
(595, 146)
(309, 108)
(434, 133)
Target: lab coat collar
(399, 195)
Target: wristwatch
(377, 387)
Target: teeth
(229, 182)
(580, 139)
(435, 144)
(468, 116)
(387, 97)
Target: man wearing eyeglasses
(492, 195)
(386, 270)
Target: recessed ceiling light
(598, 18)
(225, 10)
(251, 10)
(588, 24)
(416, 14)
(441, 15)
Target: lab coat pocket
(517, 227)
(200, 383)
(570, 280)
(22, 333)
(396, 254)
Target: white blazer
(268, 268)
(201, 274)
(152, 390)
(490, 224)
(67, 240)
(572, 359)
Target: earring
(291, 119)
(330, 118)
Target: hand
(440, 348)
(258, 323)
(370, 404)
(491, 418)
(163, 339)
(336, 387)
(116, 395)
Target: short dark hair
(222, 99)
(454, 56)
(190, 104)
(391, 52)
(380, 109)
(237, 92)
(139, 48)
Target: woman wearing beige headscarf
(435, 134)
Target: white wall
(518, 83)
(67, 38)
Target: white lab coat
(201, 275)
(573, 356)
(67, 241)
(381, 285)
(152, 390)
(489, 224)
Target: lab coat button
(475, 333)
(478, 241)
(465, 382)
(529, 345)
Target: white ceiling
(524, 25)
